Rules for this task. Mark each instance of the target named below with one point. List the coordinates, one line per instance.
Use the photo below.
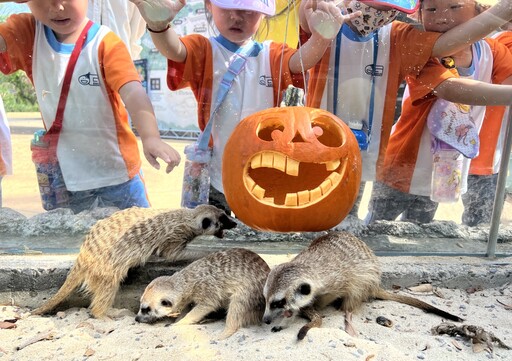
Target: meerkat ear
(206, 222)
(304, 289)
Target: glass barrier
(446, 235)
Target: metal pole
(500, 191)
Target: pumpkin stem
(293, 96)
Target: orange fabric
(20, 44)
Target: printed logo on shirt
(379, 70)
(266, 81)
(89, 79)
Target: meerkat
(231, 280)
(128, 239)
(335, 269)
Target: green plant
(18, 93)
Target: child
(5, 147)
(359, 78)
(200, 63)
(404, 181)
(97, 150)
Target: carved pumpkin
(291, 169)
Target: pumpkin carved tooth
(249, 183)
(291, 199)
(279, 162)
(315, 194)
(267, 160)
(325, 186)
(292, 167)
(303, 197)
(332, 165)
(258, 192)
(256, 161)
(334, 178)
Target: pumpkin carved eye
(270, 129)
(291, 169)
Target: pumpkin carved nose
(298, 138)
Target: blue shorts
(129, 194)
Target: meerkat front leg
(195, 315)
(315, 320)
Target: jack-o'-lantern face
(291, 169)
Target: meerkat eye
(145, 310)
(166, 303)
(304, 289)
(206, 223)
(278, 304)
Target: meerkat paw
(349, 327)
(227, 333)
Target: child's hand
(156, 148)
(324, 17)
(159, 13)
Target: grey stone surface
(29, 280)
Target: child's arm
(475, 29)
(158, 14)
(324, 19)
(474, 92)
(141, 113)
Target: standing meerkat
(231, 280)
(337, 268)
(127, 239)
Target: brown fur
(337, 266)
(231, 280)
(127, 239)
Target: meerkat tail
(73, 281)
(411, 301)
(315, 320)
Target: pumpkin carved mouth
(277, 179)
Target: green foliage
(18, 93)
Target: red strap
(59, 117)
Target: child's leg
(386, 203)
(422, 210)
(83, 200)
(478, 201)
(129, 194)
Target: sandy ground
(73, 335)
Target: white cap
(267, 7)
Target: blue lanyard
(236, 66)
(374, 71)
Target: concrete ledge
(27, 281)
